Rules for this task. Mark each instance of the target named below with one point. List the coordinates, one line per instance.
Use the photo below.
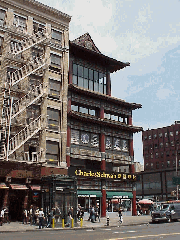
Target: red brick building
(160, 147)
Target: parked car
(166, 212)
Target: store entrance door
(16, 203)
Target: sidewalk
(113, 222)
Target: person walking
(41, 217)
(25, 214)
(1, 217)
(120, 216)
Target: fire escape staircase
(36, 93)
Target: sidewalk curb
(75, 228)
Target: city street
(145, 231)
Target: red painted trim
(69, 105)
(103, 203)
(102, 143)
(101, 112)
(70, 71)
(131, 151)
(68, 160)
(103, 165)
(134, 212)
(68, 136)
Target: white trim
(52, 139)
(55, 79)
(56, 53)
(54, 107)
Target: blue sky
(144, 33)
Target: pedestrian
(120, 216)
(49, 218)
(92, 215)
(2, 217)
(31, 215)
(6, 215)
(41, 217)
(70, 215)
(25, 214)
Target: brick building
(160, 147)
(99, 130)
(34, 53)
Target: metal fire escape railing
(32, 96)
(24, 135)
(19, 106)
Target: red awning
(36, 187)
(3, 186)
(18, 187)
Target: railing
(26, 70)
(27, 100)
(24, 135)
(25, 44)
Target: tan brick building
(34, 52)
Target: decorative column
(6, 196)
(103, 199)
(132, 169)
(68, 146)
(26, 199)
(108, 84)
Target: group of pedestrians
(94, 214)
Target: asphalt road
(151, 231)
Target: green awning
(87, 193)
(118, 194)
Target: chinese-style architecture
(99, 130)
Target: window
(168, 164)
(160, 135)
(155, 135)
(88, 78)
(52, 152)
(157, 165)
(176, 132)
(173, 153)
(146, 148)
(20, 22)
(152, 165)
(161, 145)
(155, 145)
(56, 35)
(162, 164)
(54, 88)
(167, 153)
(55, 60)
(167, 144)
(53, 119)
(174, 163)
(145, 137)
(74, 108)
(2, 16)
(165, 134)
(171, 134)
(81, 109)
(146, 156)
(162, 154)
(157, 154)
(149, 137)
(151, 155)
(150, 146)
(172, 143)
(146, 166)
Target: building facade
(161, 147)
(34, 53)
(99, 129)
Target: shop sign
(99, 174)
(92, 195)
(83, 195)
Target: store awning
(119, 194)
(36, 187)
(18, 187)
(86, 193)
(3, 186)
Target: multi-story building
(34, 53)
(100, 129)
(161, 146)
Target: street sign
(176, 180)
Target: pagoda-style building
(99, 130)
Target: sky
(146, 34)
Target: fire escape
(12, 109)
